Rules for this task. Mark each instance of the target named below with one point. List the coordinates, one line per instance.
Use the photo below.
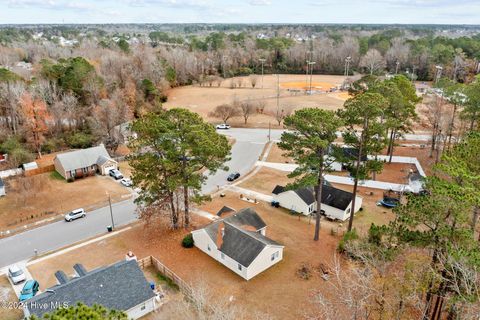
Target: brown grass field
(204, 99)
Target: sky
(241, 11)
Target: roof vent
(62, 278)
(80, 269)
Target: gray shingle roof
(120, 286)
(240, 242)
(246, 217)
(83, 158)
(331, 196)
(336, 198)
(278, 189)
(306, 194)
(240, 245)
(224, 209)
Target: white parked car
(223, 126)
(16, 274)
(75, 214)
(126, 182)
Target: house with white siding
(336, 203)
(239, 242)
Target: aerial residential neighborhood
(240, 160)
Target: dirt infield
(305, 85)
(203, 99)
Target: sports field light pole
(278, 93)
(347, 65)
(312, 63)
(262, 60)
(439, 73)
(306, 75)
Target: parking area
(17, 288)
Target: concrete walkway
(251, 194)
(203, 213)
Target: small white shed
(2, 188)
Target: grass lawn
(7, 295)
(276, 155)
(45, 195)
(265, 180)
(202, 100)
(259, 294)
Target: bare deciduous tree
(247, 109)
(373, 61)
(224, 112)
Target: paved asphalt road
(245, 152)
(56, 235)
(248, 147)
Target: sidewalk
(288, 167)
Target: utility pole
(269, 132)
(111, 212)
(262, 60)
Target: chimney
(220, 234)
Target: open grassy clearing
(204, 99)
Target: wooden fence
(164, 270)
(33, 172)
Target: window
(222, 255)
(142, 307)
(85, 170)
(208, 248)
(239, 267)
(275, 255)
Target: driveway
(18, 287)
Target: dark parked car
(233, 176)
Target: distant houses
(121, 286)
(336, 203)
(85, 162)
(239, 242)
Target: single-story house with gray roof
(336, 203)
(239, 242)
(121, 286)
(85, 162)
